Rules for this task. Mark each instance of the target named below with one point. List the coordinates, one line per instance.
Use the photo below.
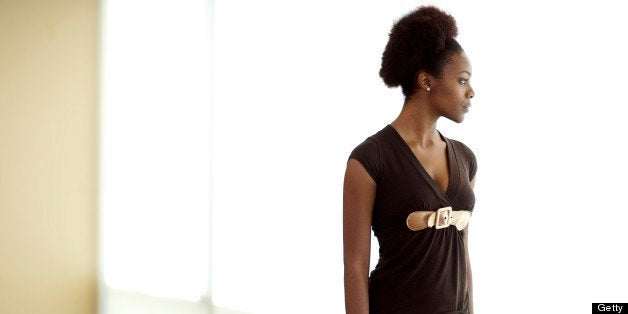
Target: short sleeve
(368, 154)
(473, 165)
(471, 161)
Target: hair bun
(415, 39)
(433, 27)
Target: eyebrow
(465, 71)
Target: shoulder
(372, 144)
(466, 156)
(462, 148)
(369, 153)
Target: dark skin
(447, 95)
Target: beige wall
(48, 123)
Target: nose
(470, 92)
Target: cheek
(452, 93)
(450, 99)
(459, 92)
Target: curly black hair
(422, 40)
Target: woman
(411, 184)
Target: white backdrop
(297, 88)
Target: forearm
(356, 291)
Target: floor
(124, 302)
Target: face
(451, 94)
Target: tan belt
(439, 219)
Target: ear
(424, 81)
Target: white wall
(297, 88)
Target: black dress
(418, 271)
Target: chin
(457, 119)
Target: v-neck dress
(421, 271)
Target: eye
(463, 81)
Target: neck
(416, 123)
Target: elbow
(356, 268)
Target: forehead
(458, 62)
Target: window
(155, 148)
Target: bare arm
(358, 200)
(469, 275)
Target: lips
(465, 108)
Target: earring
(428, 88)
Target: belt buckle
(443, 218)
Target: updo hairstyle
(422, 40)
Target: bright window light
(155, 140)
